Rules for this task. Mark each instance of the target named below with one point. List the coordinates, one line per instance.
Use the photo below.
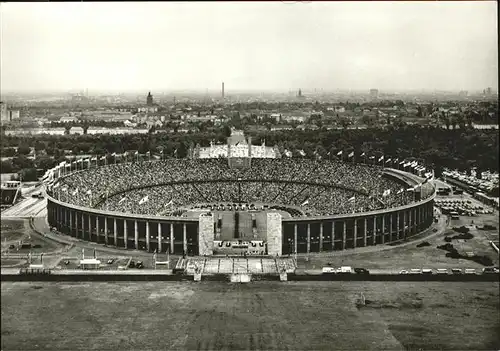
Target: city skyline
(249, 46)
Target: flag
(351, 154)
(410, 189)
(371, 157)
(403, 161)
(381, 158)
(79, 160)
(302, 153)
(339, 153)
(363, 154)
(113, 154)
(400, 191)
(89, 192)
(169, 203)
(305, 203)
(388, 160)
(122, 199)
(93, 159)
(352, 198)
(125, 153)
(102, 158)
(148, 153)
(144, 199)
(416, 186)
(136, 153)
(328, 153)
(288, 153)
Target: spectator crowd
(161, 187)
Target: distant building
(149, 99)
(299, 95)
(374, 93)
(76, 130)
(7, 115)
(68, 119)
(148, 109)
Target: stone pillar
(383, 230)
(365, 234)
(390, 226)
(97, 228)
(414, 220)
(374, 235)
(206, 234)
(77, 234)
(90, 227)
(274, 234)
(125, 233)
(295, 236)
(405, 223)
(333, 236)
(136, 235)
(147, 236)
(308, 237)
(106, 230)
(344, 235)
(159, 237)
(398, 229)
(115, 232)
(320, 236)
(82, 235)
(171, 238)
(184, 239)
(355, 233)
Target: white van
(441, 271)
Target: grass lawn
(13, 229)
(260, 315)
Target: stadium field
(260, 315)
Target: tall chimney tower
(223, 90)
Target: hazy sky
(161, 46)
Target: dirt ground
(260, 315)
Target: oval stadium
(237, 199)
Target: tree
(29, 174)
(8, 152)
(21, 162)
(6, 167)
(23, 150)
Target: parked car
(415, 271)
(456, 270)
(404, 271)
(328, 270)
(110, 261)
(361, 271)
(441, 271)
(470, 271)
(345, 270)
(489, 270)
(426, 271)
